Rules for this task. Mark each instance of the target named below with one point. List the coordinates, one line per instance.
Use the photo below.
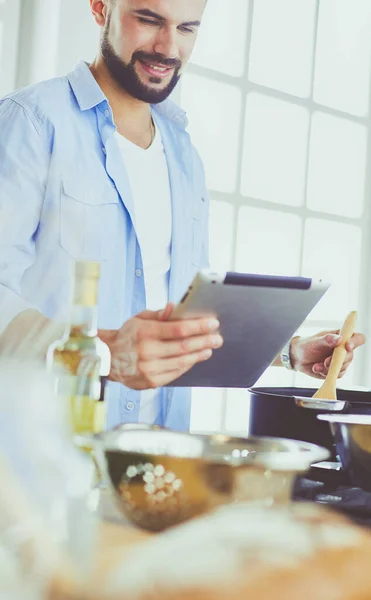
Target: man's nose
(166, 43)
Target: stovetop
(329, 487)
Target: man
(98, 166)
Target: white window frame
(362, 367)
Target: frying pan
(292, 413)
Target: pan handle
(323, 405)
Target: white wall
(9, 35)
(44, 48)
(78, 35)
(55, 35)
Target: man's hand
(312, 355)
(150, 351)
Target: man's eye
(147, 21)
(186, 30)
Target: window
(277, 95)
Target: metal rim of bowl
(299, 457)
(294, 456)
(347, 419)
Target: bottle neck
(84, 319)
(84, 312)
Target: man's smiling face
(146, 44)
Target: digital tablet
(258, 314)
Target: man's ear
(99, 10)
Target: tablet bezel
(280, 305)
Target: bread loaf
(296, 552)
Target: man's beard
(127, 78)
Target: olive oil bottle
(80, 360)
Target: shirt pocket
(88, 218)
(199, 229)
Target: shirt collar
(89, 94)
(87, 91)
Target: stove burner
(328, 487)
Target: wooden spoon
(327, 391)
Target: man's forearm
(30, 334)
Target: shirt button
(130, 406)
(104, 150)
(138, 272)
(107, 113)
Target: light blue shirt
(64, 194)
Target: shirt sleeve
(24, 165)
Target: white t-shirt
(149, 180)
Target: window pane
(305, 381)
(1, 45)
(268, 242)
(275, 150)
(337, 168)
(237, 411)
(221, 235)
(276, 377)
(214, 112)
(221, 44)
(342, 75)
(207, 409)
(332, 251)
(282, 45)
